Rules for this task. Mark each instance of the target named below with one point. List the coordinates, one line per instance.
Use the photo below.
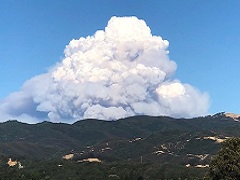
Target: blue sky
(204, 39)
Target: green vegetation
(226, 164)
(140, 147)
(71, 170)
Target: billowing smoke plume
(121, 71)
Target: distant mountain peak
(236, 117)
(232, 115)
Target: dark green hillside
(140, 141)
(43, 139)
(69, 170)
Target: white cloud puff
(121, 71)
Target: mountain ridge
(18, 139)
(163, 144)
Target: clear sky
(204, 39)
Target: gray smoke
(121, 71)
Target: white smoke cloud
(121, 71)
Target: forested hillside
(140, 146)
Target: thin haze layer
(121, 71)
